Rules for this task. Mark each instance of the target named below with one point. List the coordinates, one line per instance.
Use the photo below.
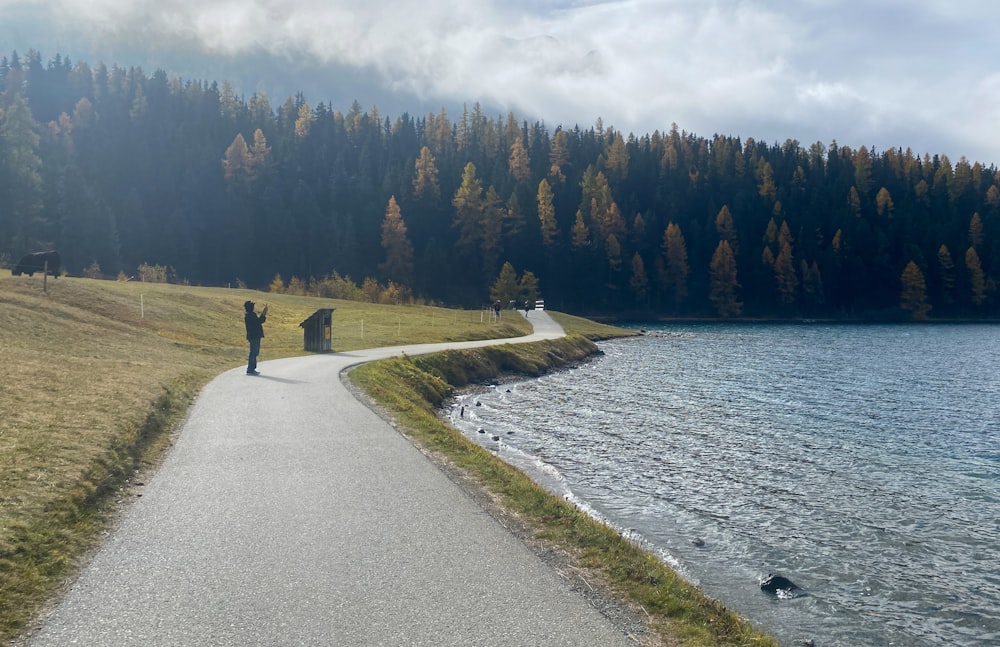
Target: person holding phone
(255, 332)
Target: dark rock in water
(478, 403)
(482, 431)
(780, 586)
(698, 541)
(510, 433)
(496, 437)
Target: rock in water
(780, 586)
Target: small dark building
(317, 331)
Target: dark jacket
(255, 324)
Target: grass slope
(96, 371)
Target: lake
(860, 461)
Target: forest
(123, 172)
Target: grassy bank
(412, 389)
(96, 375)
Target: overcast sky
(923, 74)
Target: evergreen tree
(468, 203)
(946, 266)
(506, 288)
(883, 203)
(724, 286)
(21, 190)
(519, 166)
(236, 162)
(726, 229)
(613, 249)
(675, 278)
(425, 178)
(546, 214)
(491, 232)
(976, 277)
(812, 284)
(528, 288)
(639, 282)
(559, 157)
(976, 232)
(580, 240)
(398, 264)
(784, 267)
(913, 298)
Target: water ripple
(862, 462)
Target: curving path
(288, 513)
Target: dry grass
(95, 370)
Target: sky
(918, 74)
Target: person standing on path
(255, 332)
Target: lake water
(861, 462)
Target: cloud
(884, 73)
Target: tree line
(119, 169)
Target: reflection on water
(863, 462)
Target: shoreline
(637, 583)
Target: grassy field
(96, 371)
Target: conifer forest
(119, 170)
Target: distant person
(525, 308)
(255, 332)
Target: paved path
(288, 513)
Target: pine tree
(765, 181)
(236, 162)
(260, 153)
(977, 279)
(639, 282)
(580, 239)
(558, 156)
(491, 232)
(528, 287)
(425, 177)
(21, 190)
(724, 286)
(613, 249)
(976, 232)
(947, 268)
(505, 289)
(546, 214)
(304, 121)
(784, 275)
(675, 256)
(883, 203)
(725, 228)
(913, 297)
(398, 264)
(812, 283)
(518, 163)
(468, 203)
(784, 267)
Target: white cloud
(917, 73)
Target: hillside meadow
(96, 371)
